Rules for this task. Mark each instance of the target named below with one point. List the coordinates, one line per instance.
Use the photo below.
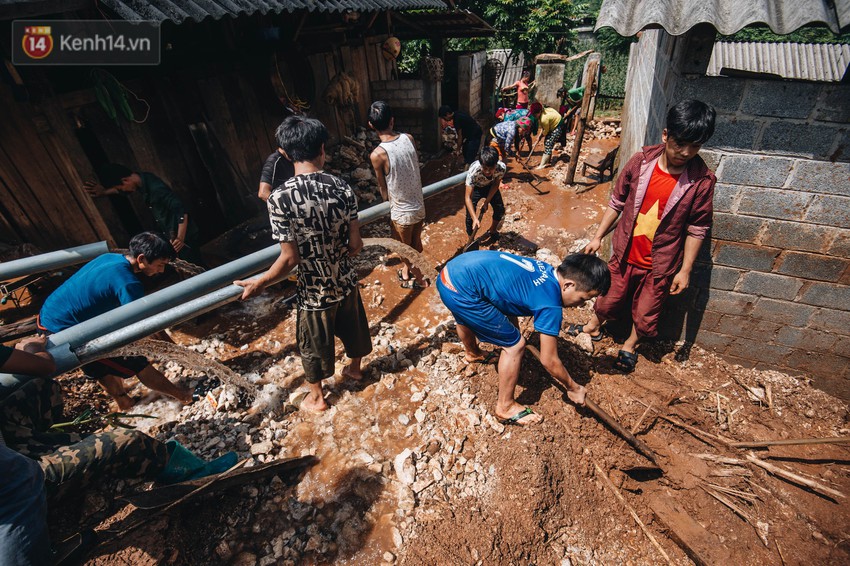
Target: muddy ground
(413, 468)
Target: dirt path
(415, 470)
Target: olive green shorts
(317, 329)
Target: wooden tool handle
(613, 423)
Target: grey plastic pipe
(183, 301)
(51, 260)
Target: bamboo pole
(589, 92)
(790, 442)
(794, 478)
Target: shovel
(612, 423)
(471, 244)
(530, 153)
(534, 177)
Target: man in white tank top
(397, 170)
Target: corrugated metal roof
(728, 16)
(460, 23)
(178, 11)
(801, 61)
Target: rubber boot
(183, 465)
(544, 161)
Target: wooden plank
(322, 74)
(174, 98)
(361, 75)
(38, 180)
(219, 120)
(18, 196)
(71, 162)
(259, 132)
(14, 213)
(704, 548)
(8, 232)
(118, 150)
(371, 62)
(241, 110)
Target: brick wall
(774, 281)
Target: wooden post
(590, 85)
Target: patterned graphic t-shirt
(314, 211)
(476, 178)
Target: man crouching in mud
(483, 289)
(314, 217)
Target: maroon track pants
(636, 287)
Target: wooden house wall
(41, 197)
(365, 63)
(206, 134)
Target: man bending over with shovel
(484, 290)
(483, 182)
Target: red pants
(637, 287)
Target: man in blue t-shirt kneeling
(103, 284)
(483, 289)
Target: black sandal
(626, 361)
(411, 284)
(203, 387)
(576, 329)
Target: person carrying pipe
(314, 217)
(37, 463)
(169, 212)
(484, 290)
(107, 282)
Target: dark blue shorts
(487, 322)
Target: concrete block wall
(409, 103)
(471, 81)
(771, 287)
(805, 119)
(775, 278)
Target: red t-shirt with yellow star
(660, 187)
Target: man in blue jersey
(103, 284)
(483, 289)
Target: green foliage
(411, 55)
(612, 41)
(806, 34)
(530, 26)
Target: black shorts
(317, 329)
(496, 203)
(119, 367)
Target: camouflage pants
(29, 408)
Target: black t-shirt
(467, 125)
(277, 170)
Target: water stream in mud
(166, 351)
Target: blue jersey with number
(516, 285)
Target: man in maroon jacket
(664, 195)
